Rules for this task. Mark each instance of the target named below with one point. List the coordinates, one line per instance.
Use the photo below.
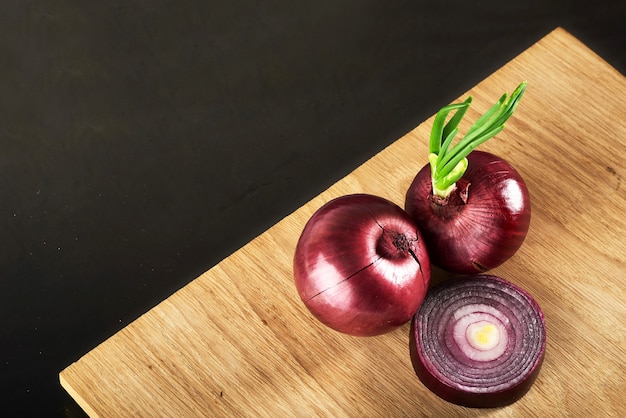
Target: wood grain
(237, 341)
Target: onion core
(478, 341)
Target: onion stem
(448, 162)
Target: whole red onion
(481, 224)
(472, 207)
(478, 341)
(361, 266)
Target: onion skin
(482, 224)
(361, 266)
(443, 364)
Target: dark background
(141, 142)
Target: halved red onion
(361, 266)
(478, 341)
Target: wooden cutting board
(237, 341)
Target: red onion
(472, 207)
(478, 341)
(361, 266)
(482, 224)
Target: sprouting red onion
(478, 341)
(360, 265)
(481, 224)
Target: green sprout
(448, 163)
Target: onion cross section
(478, 341)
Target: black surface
(143, 141)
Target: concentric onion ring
(478, 341)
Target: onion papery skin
(349, 271)
(442, 362)
(482, 224)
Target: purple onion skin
(477, 232)
(490, 393)
(361, 266)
